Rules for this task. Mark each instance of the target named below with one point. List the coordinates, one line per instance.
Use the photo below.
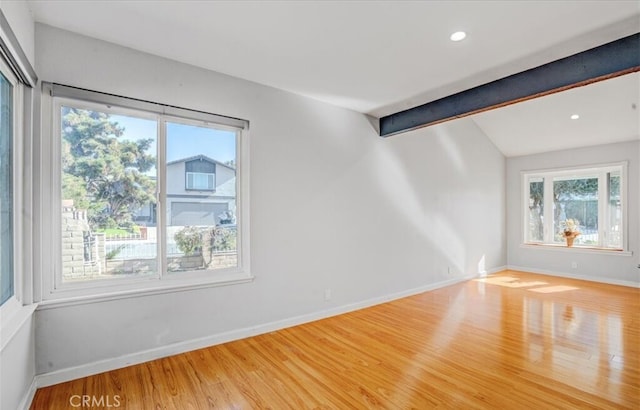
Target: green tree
(103, 172)
(563, 191)
(536, 207)
(569, 190)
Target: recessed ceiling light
(575, 116)
(458, 35)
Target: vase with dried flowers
(570, 230)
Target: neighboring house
(200, 191)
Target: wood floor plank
(512, 340)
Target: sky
(183, 141)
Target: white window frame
(16, 163)
(600, 171)
(211, 181)
(57, 292)
(14, 303)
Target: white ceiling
(608, 110)
(375, 57)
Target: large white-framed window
(123, 219)
(589, 201)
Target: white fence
(141, 246)
(137, 249)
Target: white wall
(17, 347)
(332, 206)
(17, 362)
(20, 19)
(609, 267)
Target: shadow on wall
(440, 206)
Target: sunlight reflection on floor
(514, 282)
(509, 281)
(553, 289)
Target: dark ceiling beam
(600, 63)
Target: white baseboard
(495, 270)
(598, 279)
(72, 373)
(28, 397)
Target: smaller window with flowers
(582, 207)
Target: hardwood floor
(509, 341)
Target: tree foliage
(103, 172)
(569, 190)
(563, 191)
(536, 207)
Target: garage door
(196, 213)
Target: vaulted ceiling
(379, 57)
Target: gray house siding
(187, 205)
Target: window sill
(576, 249)
(13, 315)
(58, 299)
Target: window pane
(201, 198)
(108, 195)
(576, 199)
(6, 189)
(200, 181)
(614, 211)
(535, 232)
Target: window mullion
(623, 202)
(525, 194)
(161, 197)
(18, 193)
(603, 217)
(548, 209)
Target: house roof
(202, 158)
